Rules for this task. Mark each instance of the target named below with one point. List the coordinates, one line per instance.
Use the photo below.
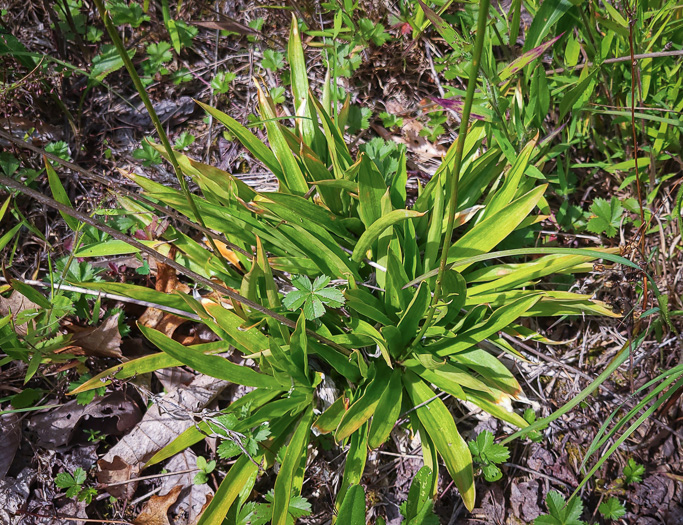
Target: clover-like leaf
(313, 296)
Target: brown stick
(47, 201)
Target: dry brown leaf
(193, 498)
(57, 427)
(418, 144)
(155, 511)
(10, 438)
(103, 341)
(117, 471)
(167, 282)
(160, 426)
(16, 303)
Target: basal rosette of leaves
(363, 266)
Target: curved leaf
(440, 426)
(377, 228)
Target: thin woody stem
(453, 175)
(47, 201)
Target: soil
(107, 125)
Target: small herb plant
(205, 468)
(488, 455)
(73, 483)
(561, 512)
(221, 82)
(606, 216)
(633, 472)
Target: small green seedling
(273, 60)
(221, 82)
(184, 140)
(73, 483)
(205, 468)
(147, 154)
(633, 472)
(122, 13)
(488, 454)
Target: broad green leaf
(491, 231)
(583, 88)
(8, 235)
(60, 195)
(387, 411)
(299, 76)
(284, 483)
(551, 303)
(367, 304)
(109, 248)
(419, 494)
(490, 368)
(364, 408)
(31, 294)
(377, 228)
(107, 62)
(330, 418)
(544, 20)
(501, 318)
(250, 341)
(306, 210)
(140, 293)
(293, 179)
(342, 364)
(229, 490)
(506, 193)
(170, 25)
(356, 458)
(435, 233)
(525, 272)
(410, 322)
(352, 510)
(248, 140)
(445, 30)
(440, 426)
(448, 377)
(214, 366)
(371, 188)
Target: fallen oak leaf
(155, 511)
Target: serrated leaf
(612, 509)
(606, 216)
(64, 480)
(559, 513)
(313, 296)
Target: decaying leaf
(193, 497)
(103, 341)
(167, 282)
(13, 494)
(161, 424)
(10, 437)
(117, 471)
(113, 414)
(155, 511)
(16, 303)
